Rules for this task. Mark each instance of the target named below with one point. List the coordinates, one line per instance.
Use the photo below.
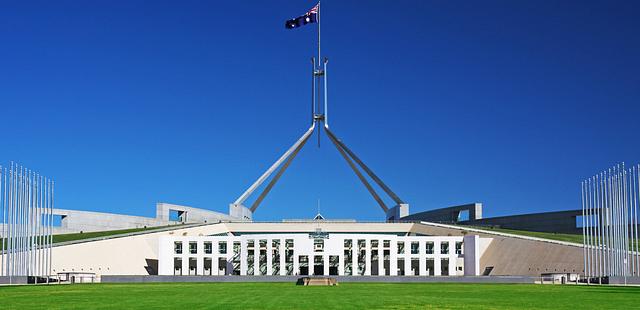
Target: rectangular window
(458, 247)
(347, 243)
(193, 247)
(249, 243)
(400, 247)
(386, 243)
(444, 267)
(374, 244)
(429, 265)
(444, 247)
(429, 247)
(463, 215)
(318, 245)
(222, 247)
(208, 248)
(177, 247)
(415, 247)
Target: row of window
(222, 246)
(415, 247)
(193, 247)
(318, 246)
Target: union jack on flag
(314, 10)
(307, 18)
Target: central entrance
(318, 265)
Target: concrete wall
(516, 255)
(87, 221)
(447, 215)
(558, 221)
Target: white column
(341, 263)
(215, 258)
(269, 257)
(380, 258)
(229, 256)
(354, 257)
(325, 258)
(243, 257)
(256, 257)
(407, 258)
(185, 257)
(423, 258)
(283, 269)
(436, 258)
(393, 258)
(367, 257)
(452, 264)
(296, 263)
(200, 258)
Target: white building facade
(319, 253)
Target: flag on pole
(307, 18)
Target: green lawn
(345, 296)
(544, 235)
(88, 235)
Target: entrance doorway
(318, 265)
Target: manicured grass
(89, 235)
(344, 296)
(544, 235)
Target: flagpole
(319, 59)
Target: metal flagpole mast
(584, 236)
(4, 225)
(50, 227)
(635, 207)
(319, 59)
(597, 223)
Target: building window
(374, 244)
(222, 247)
(318, 245)
(444, 267)
(348, 243)
(415, 247)
(444, 248)
(193, 247)
(429, 247)
(177, 247)
(208, 248)
(386, 243)
(249, 243)
(400, 247)
(458, 247)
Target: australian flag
(308, 18)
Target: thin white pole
(50, 225)
(584, 235)
(635, 225)
(4, 225)
(10, 228)
(625, 221)
(598, 223)
(326, 106)
(319, 59)
(614, 192)
(21, 219)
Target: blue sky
(508, 103)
